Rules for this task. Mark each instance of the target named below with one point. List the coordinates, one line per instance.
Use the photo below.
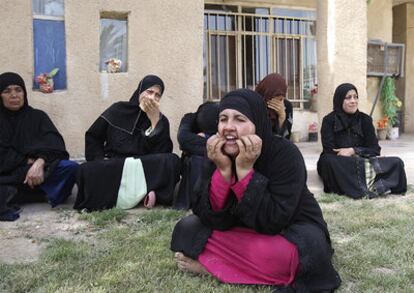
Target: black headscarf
(26, 133)
(206, 119)
(11, 78)
(338, 100)
(125, 115)
(252, 105)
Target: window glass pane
(49, 50)
(285, 12)
(48, 7)
(256, 10)
(221, 8)
(222, 69)
(113, 42)
(282, 42)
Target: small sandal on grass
(149, 200)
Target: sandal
(149, 200)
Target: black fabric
(284, 130)
(202, 121)
(339, 96)
(252, 105)
(102, 140)
(194, 148)
(107, 145)
(11, 78)
(360, 134)
(125, 115)
(206, 120)
(26, 134)
(162, 172)
(190, 236)
(99, 181)
(346, 175)
(98, 184)
(275, 201)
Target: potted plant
(45, 81)
(382, 126)
(390, 106)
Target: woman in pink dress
(255, 221)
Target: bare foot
(149, 200)
(187, 264)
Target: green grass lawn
(129, 252)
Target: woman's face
(233, 125)
(153, 92)
(350, 104)
(13, 97)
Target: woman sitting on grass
(350, 162)
(195, 129)
(273, 89)
(255, 220)
(128, 149)
(34, 163)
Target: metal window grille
(242, 48)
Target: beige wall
(342, 50)
(164, 38)
(380, 18)
(403, 32)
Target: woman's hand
(36, 174)
(250, 148)
(152, 108)
(279, 107)
(346, 152)
(215, 153)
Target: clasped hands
(345, 152)
(250, 147)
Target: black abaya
(346, 175)
(119, 133)
(276, 201)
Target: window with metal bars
(244, 44)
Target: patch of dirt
(24, 239)
(384, 271)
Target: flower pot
(381, 133)
(47, 87)
(312, 136)
(393, 133)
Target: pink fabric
(220, 189)
(240, 187)
(243, 256)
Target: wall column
(342, 50)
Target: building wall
(342, 50)
(403, 32)
(379, 28)
(164, 38)
(258, 3)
